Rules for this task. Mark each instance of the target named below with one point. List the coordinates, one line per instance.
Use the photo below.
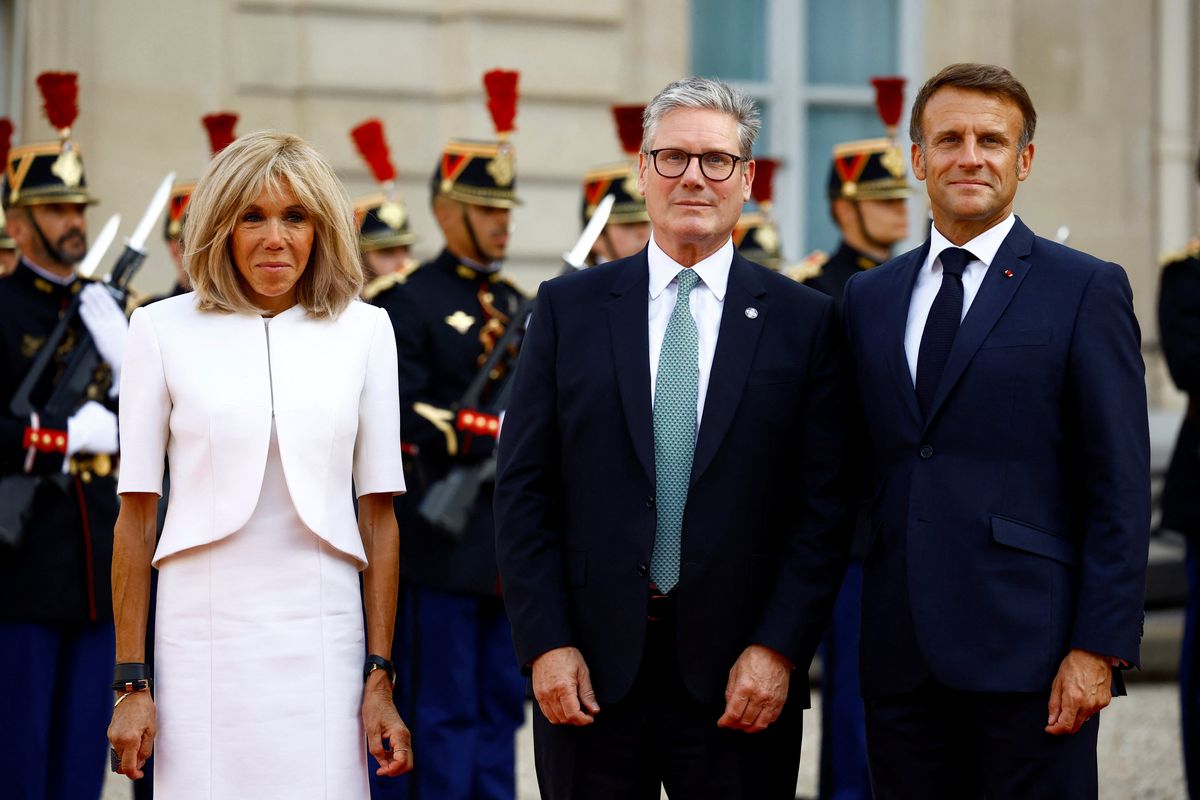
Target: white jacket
(201, 388)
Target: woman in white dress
(268, 389)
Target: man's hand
(1081, 688)
(131, 733)
(757, 689)
(563, 687)
(382, 721)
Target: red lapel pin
(1008, 273)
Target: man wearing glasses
(670, 496)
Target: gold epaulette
(385, 282)
(811, 266)
(1191, 251)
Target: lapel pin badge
(1008, 273)
(752, 313)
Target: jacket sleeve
(1106, 403)
(816, 543)
(528, 498)
(377, 462)
(145, 409)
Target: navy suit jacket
(1012, 523)
(764, 545)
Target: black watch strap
(375, 662)
(133, 676)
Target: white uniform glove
(93, 429)
(106, 322)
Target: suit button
(926, 451)
(650, 501)
(643, 570)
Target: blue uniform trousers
(462, 695)
(844, 772)
(54, 740)
(1189, 672)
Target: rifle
(448, 503)
(71, 388)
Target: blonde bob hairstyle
(232, 182)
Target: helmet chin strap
(483, 259)
(50, 249)
(866, 232)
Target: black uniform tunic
(60, 573)
(447, 316)
(838, 269)
(1179, 324)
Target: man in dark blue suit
(1002, 380)
(670, 505)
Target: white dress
(259, 640)
(258, 654)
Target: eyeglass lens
(671, 163)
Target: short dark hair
(986, 78)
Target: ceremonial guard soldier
(58, 497)
(458, 688)
(1179, 330)
(868, 193)
(628, 226)
(384, 238)
(756, 235)
(868, 200)
(8, 247)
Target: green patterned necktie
(675, 391)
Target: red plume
(889, 99)
(764, 174)
(220, 129)
(368, 138)
(6, 132)
(60, 93)
(501, 86)
(629, 127)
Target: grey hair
(706, 93)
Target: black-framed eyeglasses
(671, 162)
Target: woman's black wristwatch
(379, 662)
(131, 676)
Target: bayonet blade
(99, 247)
(142, 232)
(591, 232)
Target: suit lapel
(736, 342)
(628, 314)
(895, 324)
(1004, 276)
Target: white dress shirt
(706, 302)
(929, 281)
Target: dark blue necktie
(941, 326)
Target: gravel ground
(1139, 752)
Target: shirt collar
(46, 274)
(983, 247)
(713, 271)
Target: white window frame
(12, 60)
(789, 94)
